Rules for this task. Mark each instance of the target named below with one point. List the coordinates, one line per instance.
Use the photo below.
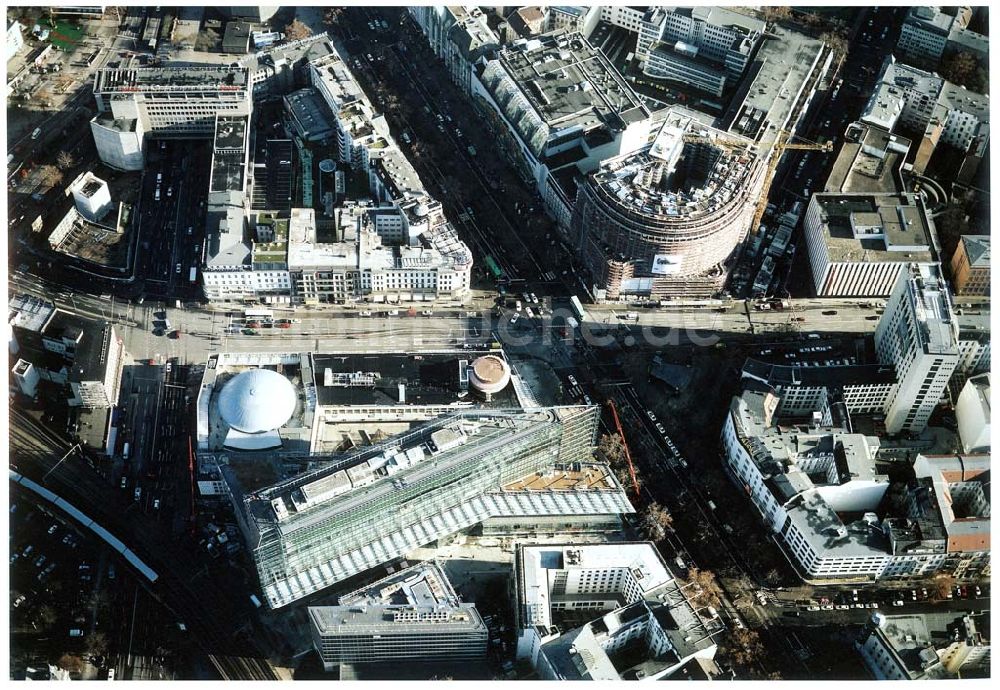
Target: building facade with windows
(928, 646)
(643, 625)
(970, 266)
(381, 501)
(942, 112)
(918, 335)
(816, 487)
(558, 107)
(413, 615)
(860, 243)
(704, 47)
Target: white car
(427, 312)
(365, 313)
(652, 417)
(571, 379)
(514, 318)
(392, 312)
(659, 427)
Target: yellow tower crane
(780, 145)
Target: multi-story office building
(381, 501)
(802, 481)
(704, 47)
(918, 335)
(412, 616)
(860, 243)
(663, 220)
(973, 349)
(402, 249)
(926, 646)
(385, 254)
(60, 347)
(928, 34)
(96, 372)
(177, 102)
(970, 266)
(941, 112)
(628, 17)
(644, 626)
(807, 388)
(558, 108)
(924, 35)
(582, 18)
(972, 411)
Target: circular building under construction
(663, 221)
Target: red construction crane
(628, 455)
(194, 520)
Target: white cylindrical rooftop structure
(257, 401)
(489, 374)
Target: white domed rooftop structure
(257, 401)
(489, 374)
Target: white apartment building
(176, 101)
(972, 412)
(400, 250)
(582, 18)
(807, 481)
(924, 102)
(929, 646)
(928, 34)
(973, 349)
(924, 34)
(801, 480)
(918, 334)
(859, 243)
(635, 601)
(623, 16)
(15, 39)
(804, 390)
(95, 375)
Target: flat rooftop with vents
(230, 154)
(188, 78)
(875, 227)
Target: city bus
(258, 314)
(193, 276)
(574, 302)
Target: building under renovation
(664, 220)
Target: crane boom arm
(628, 455)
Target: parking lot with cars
(56, 576)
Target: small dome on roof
(421, 210)
(256, 401)
(489, 374)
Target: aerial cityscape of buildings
(499, 343)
